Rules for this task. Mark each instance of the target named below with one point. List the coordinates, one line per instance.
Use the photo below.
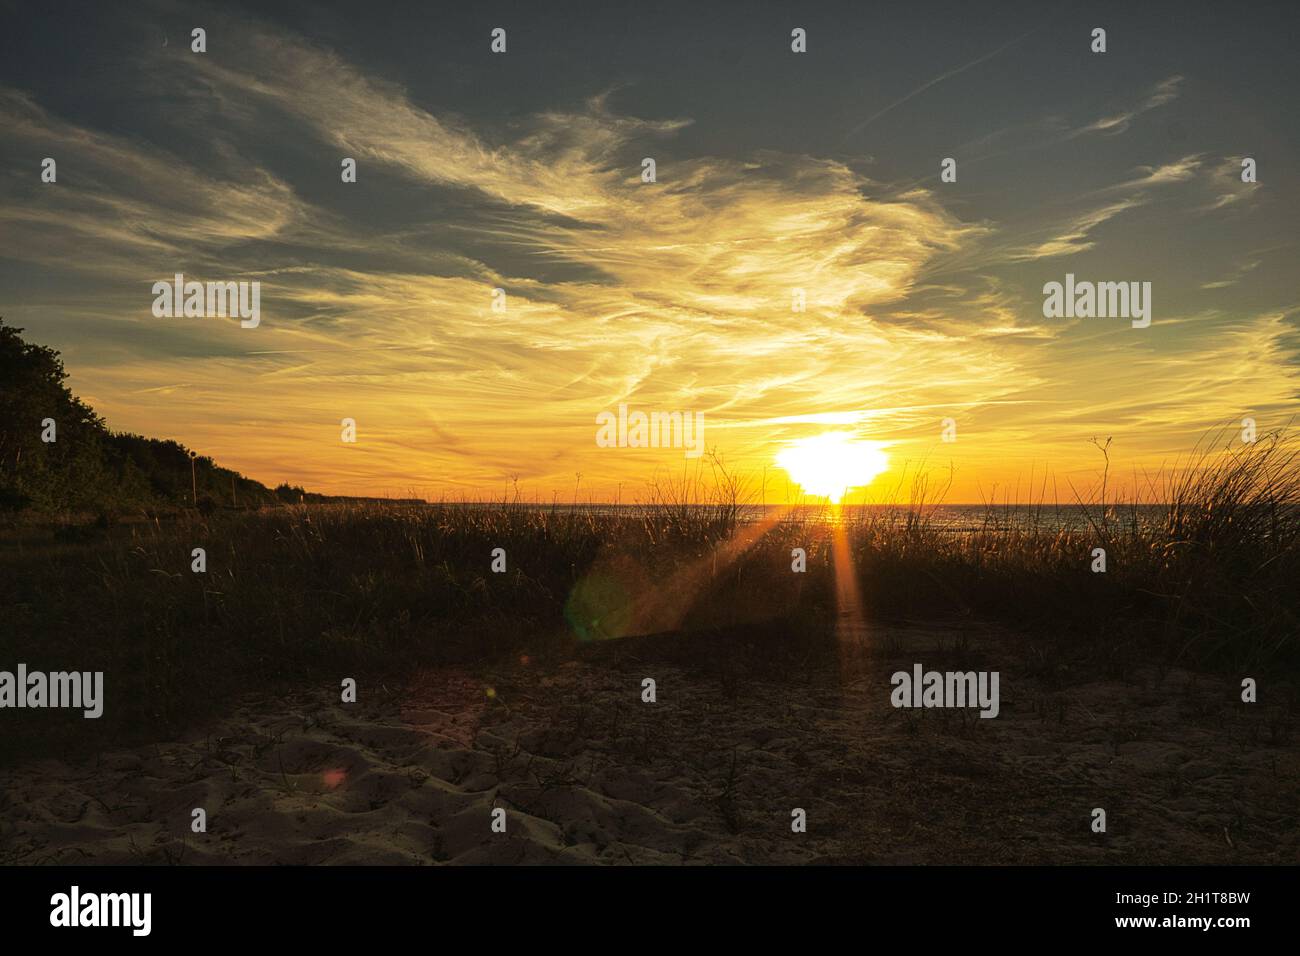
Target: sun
(828, 465)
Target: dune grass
(319, 592)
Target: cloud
(1077, 235)
(688, 288)
(1235, 276)
(117, 203)
(674, 295)
(1225, 191)
(1166, 91)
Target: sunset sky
(776, 171)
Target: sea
(954, 518)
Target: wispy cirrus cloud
(671, 295)
(1162, 93)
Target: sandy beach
(709, 773)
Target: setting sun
(828, 465)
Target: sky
(775, 171)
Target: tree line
(58, 455)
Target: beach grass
(322, 591)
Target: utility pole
(194, 481)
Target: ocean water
(954, 518)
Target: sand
(709, 774)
